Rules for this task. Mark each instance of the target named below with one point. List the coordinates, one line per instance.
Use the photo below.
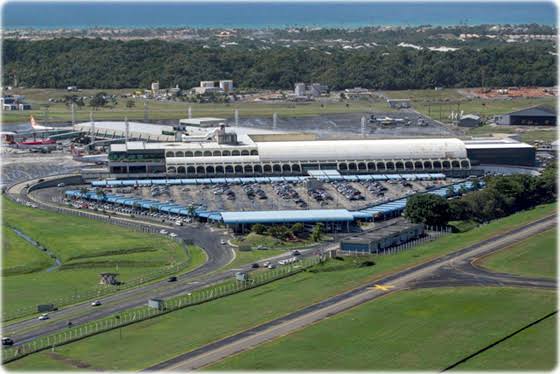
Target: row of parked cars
(347, 190)
(224, 189)
(254, 191)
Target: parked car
(173, 235)
(255, 266)
(223, 242)
(296, 253)
(7, 341)
(96, 303)
(163, 232)
(172, 279)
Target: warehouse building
(533, 116)
(386, 237)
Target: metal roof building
(539, 115)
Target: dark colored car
(255, 265)
(172, 279)
(7, 341)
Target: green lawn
(532, 349)
(205, 323)
(534, 257)
(86, 248)
(427, 94)
(20, 256)
(173, 110)
(426, 329)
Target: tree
(258, 229)
(98, 101)
(191, 210)
(429, 209)
(130, 104)
(297, 228)
(317, 232)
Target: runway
(405, 279)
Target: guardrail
(128, 317)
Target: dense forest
(96, 63)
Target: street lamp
(118, 318)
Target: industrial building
(469, 120)
(381, 239)
(533, 116)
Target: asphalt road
(405, 279)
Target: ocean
(261, 15)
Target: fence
(135, 315)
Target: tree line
(96, 63)
(502, 196)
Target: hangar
(533, 116)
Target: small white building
(226, 85)
(299, 89)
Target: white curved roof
(362, 149)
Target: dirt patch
(72, 362)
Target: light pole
(120, 327)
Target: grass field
(532, 349)
(207, 322)
(426, 329)
(534, 257)
(19, 256)
(59, 112)
(85, 248)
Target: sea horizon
(270, 15)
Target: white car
(266, 264)
(60, 185)
(178, 223)
(163, 232)
(43, 317)
(173, 235)
(223, 242)
(96, 303)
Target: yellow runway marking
(382, 287)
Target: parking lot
(282, 195)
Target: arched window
(191, 170)
(181, 170)
(235, 153)
(216, 154)
(171, 170)
(245, 152)
(267, 169)
(258, 169)
(248, 169)
(399, 165)
(286, 168)
(188, 154)
(229, 169)
(437, 165)
(352, 166)
(380, 166)
(428, 165)
(198, 154)
(446, 165)
(169, 154)
(455, 164)
(390, 165)
(219, 169)
(200, 169)
(409, 165)
(361, 166)
(276, 168)
(296, 168)
(207, 154)
(418, 165)
(371, 165)
(343, 166)
(226, 153)
(254, 152)
(238, 169)
(179, 154)
(465, 164)
(209, 170)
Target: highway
(207, 238)
(405, 279)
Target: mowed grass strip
(426, 329)
(86, 249)
(193, 327)
(533, 257)
(20, 256)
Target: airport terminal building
(230, 157)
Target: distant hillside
(96, 63)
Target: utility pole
(363, 128)
(236, 116)
(92, 127)
(145, 111)
(73, 107)
(274, 120)
(189, 112)
(126, 129)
